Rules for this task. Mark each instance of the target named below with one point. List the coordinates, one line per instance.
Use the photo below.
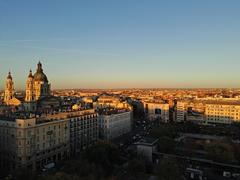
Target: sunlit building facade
(114, 123)
(106, 101)
(212, 111)
(157, 110)
(41, 132)
(224, 113)
(181, 110)
(33, 142)
(37, 88)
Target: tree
(59, 176)
(24, 174)
(166, 144)
(104, 156)
(80, 167)
(237, 152)
(169, 169)
(190, 127)
(97, 162)
(166, 130)
(220, 151)
(136, 167)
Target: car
(226, 174)
(48, 167)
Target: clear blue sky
(122, 43)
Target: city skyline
(122, 44)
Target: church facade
(38, 89)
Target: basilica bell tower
(9, 88)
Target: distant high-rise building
(181, 110)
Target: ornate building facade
(38, 133)
(41, 87)
(9, 88)
(37, 85)
(37, 88)
(30, 88)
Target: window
(29, 133)
(158, 111)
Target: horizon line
(135, 88)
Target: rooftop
(112, 111)
(147, 141)
(217, 102)
(223, 102)
(49, 116)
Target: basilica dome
(9, 76)
(39, 75)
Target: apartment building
(37, 141)
(181, 109)
(107, 101)
(114, 123)
(33, 142)
(83, 130)
(219, 111)
(223, 113)
(156, 110)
